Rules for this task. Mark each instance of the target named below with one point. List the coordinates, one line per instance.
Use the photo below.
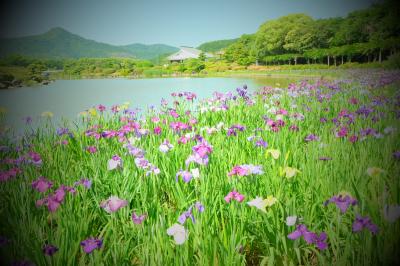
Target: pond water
(66, 98)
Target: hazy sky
(174, 22)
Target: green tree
(241, 51)
(35, 71)
(202, 57)
(271, 36)
(325, 30)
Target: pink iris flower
(113, 204)
(234, 195)
(42, 184)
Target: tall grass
(225, 233)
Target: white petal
(164, 148)
(180, 237)
(195, 172)
(291, 220)
(391, 213)
(259, 203)
(255, 202)
(112, 164)
(174, 229)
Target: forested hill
(60, 43)
(215, 46)
(149, 51)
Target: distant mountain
(149, 51)
(60, 43)
(215, 46)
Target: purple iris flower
(311, 137)
(136, 152)
(197, 159)
(62, 131)
(91, 244)
(232, 131)
(199, 206)
(198, 138)
(109, 134)
(261, 143)
(87, 183)
(325, 158)
(22, 263)
(242, 92)
(364, 222)
(4, 241)
(49, 250)
(130, 112)
(153, 170)
(142, 163)
(301, 229)
(189, 213)
(396, 155)
(164, 102)
(35, 158)
(364, 111)
(309, 237)
(28, 120)
(367, 132)
(320, 241)
(342, 202)
(138, 219)
(186, 176)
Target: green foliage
(217, 66)
(194, 65)
(25, 61)
(104, 66)
(35, 71)
(6, 77)
(202, 57)
(283, 34)
(325, 30)
(36, 68)
(393, 61)
(182, 67)
(284, 58)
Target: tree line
(366, 35)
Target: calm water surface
(66, 98)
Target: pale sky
(173, 22)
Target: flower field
(304, 175)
